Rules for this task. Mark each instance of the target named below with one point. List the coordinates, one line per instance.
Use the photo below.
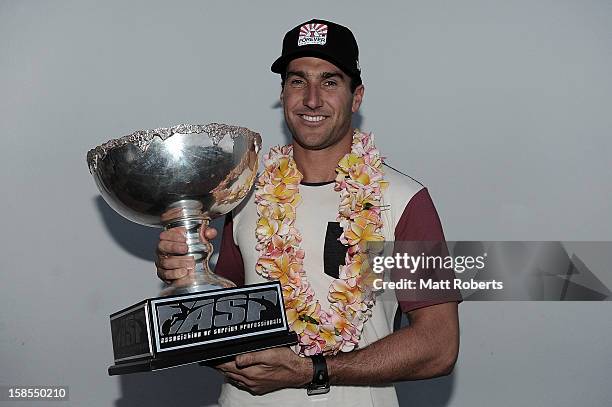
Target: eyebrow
(322, 75)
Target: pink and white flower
(360, 183)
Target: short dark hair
(353, 84)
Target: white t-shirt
(409, 216)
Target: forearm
(427, 348)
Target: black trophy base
(208, 357)
(209, 327)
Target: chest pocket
(334, 252)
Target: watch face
(313, 391)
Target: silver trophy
(187, 175)
(184, 175)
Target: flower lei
(360, 184)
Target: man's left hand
(268, 370)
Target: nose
(312, 97)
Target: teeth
(312, 118)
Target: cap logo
(312, 34)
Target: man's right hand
(171, 261)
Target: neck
(320, 165)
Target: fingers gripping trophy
(185, 176)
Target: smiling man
(316, 103)
(316, 202)
(318, 106)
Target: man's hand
(171, 262)
(268, 370)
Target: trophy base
(208, 327)
(209, 357)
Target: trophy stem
(203, 279)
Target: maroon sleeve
(420, 223)
(230, 264)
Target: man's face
(318, 103)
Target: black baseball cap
(321, 39)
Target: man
(321, 89)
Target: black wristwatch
(320, 378)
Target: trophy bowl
(183, 175)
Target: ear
(281, 97)
(357, 98)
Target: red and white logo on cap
(312, 34)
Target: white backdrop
(501, 108)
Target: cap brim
(280, 65)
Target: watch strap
(320, 376)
